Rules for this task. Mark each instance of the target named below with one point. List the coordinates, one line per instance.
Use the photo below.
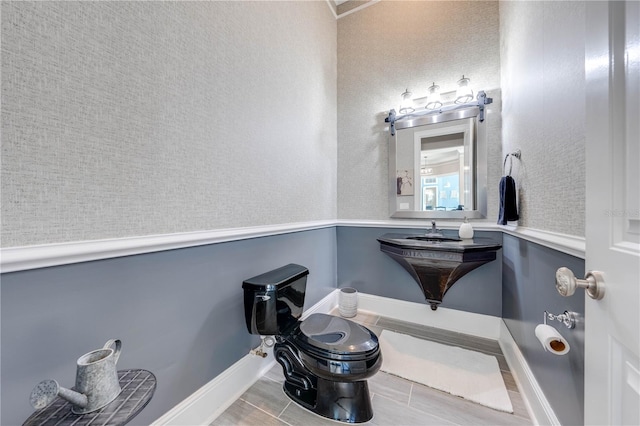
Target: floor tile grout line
(269, 378)
(444, 421)
(410, 393)
(266, 412)
(284, 409)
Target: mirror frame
(480, 154)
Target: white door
(612, 328)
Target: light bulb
(406, 104)
(464, 93)
(433, 97)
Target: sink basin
(431, 238)
(436, 263)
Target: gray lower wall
(528, 282)
(363, 266)
(178, 313)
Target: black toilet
(326, 359)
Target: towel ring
(516, 154)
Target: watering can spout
(47, 390)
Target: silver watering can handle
(116, 352)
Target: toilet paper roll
(552, 341)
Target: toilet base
(347, 402)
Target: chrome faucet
(434, 232)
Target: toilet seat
(334, 338)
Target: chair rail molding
(14, 259)
(41, 256)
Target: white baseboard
(208, 402)
(419, 313)
(204, 405)
(324, 306)
(536, 402)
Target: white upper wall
(543, 113)
(137, 118)
(393, 45)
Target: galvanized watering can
(96, 382)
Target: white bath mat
(461, 372)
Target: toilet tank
(273, 301)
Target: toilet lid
(336, 335)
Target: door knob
(566, 283)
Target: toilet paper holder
(567, 318)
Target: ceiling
(346, 7)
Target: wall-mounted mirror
(438, 166)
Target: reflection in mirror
(438, 170)
(445, 171)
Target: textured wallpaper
(542, 49)
(136, 118)
(393, 45)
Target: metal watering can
(96, 382)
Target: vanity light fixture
(464, 93)
(406, 104)
(439, 111)
(433, 97)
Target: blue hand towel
(508, 208)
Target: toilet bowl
(326, 359)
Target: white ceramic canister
(348, 302)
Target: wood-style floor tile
(268, 396)
(275, 373)
(396, 401)
(243, 413)
(390, 386)
(458, 410)
(509, 381)
(298, 416)
(519, 407)
(387, 412)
